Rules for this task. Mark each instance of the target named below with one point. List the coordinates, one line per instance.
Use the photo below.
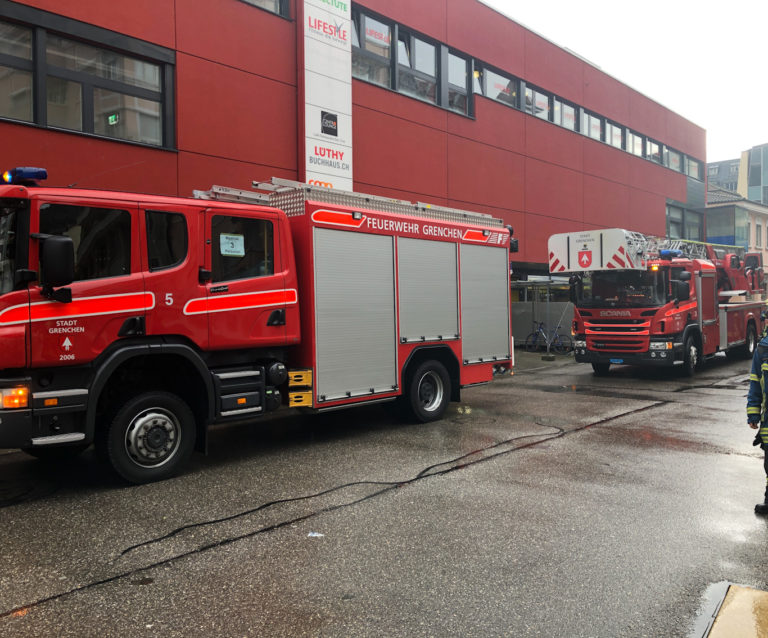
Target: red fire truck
(648, 301)
(138, 321)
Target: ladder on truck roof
(290, 197)
(652, 246)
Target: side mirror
(681, 290)
(57, 265)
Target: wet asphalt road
(551, 503)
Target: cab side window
(167, 239)
(242, 248)
(101, 237)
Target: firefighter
(757, 404)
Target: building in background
(389, 97)
(724, 174)
(734, 220)
(747, 175)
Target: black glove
(757, 440)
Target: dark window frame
(410, 70)
(42, 23)
(150, 212)
(268, 228)
(535, 93)
(483, 70)
(282, 11)
(119, 217)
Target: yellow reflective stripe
(764, 365)
(754, 377)
(753, 410)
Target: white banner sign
(328, 93)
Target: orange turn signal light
(15, 398)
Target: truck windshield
(8, 219)
(622, 288)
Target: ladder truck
(137, 322)
(649, 301)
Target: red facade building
(451, 103)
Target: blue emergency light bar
(24, 175)
(670, 253)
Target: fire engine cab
(650, 301)
(135, 322)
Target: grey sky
(705, 60)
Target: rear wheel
(751, 344)
(429, 391)
(532, 342)
(150, 438)
(601, 369)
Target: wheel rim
(430, 391)
(693, 355)
(153, 437)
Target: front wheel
(601, 369)
(150, 438)
(429, 391)
(691, 356)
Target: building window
(758, 235)
(653, 151)
(16, 84)
(614, 135)
(416, 68)
(674, 222)
(713, 170)
(693, 168)
(372, 50)
(673, 159)
(634, 144)
(457, 84)
(86, 87)
(537, 103)
(500, 88)
(591, 125)
(733, 169)
(279, 7)
(564, 114)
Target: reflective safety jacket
(758, 382)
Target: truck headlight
(15, 398)
(661, 345)
(579, 344)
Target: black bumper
(661, 358)
(18, 428)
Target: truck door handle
(277, 318)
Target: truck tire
(429, 391)
(601, 369)
(751, 344)
(691, 356)
(150, 437)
